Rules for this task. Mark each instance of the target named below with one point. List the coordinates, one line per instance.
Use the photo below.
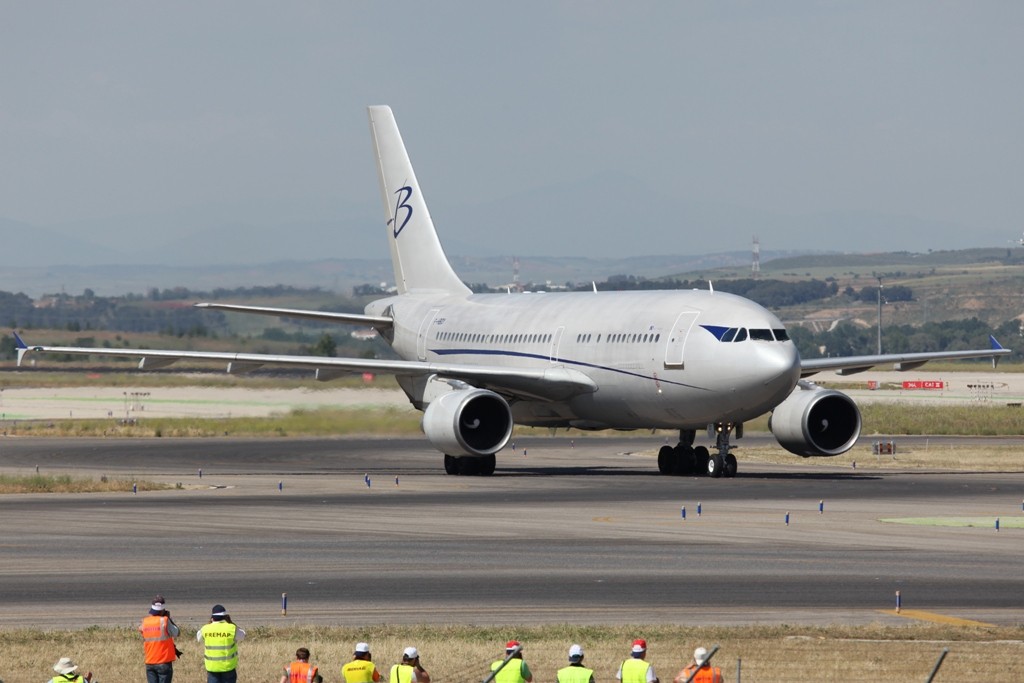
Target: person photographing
(410, 670)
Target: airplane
(478, 364)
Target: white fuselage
(659, 359)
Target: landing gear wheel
(684, 460)
(486, 465)
(666, 460)
(451, 464)
(716, 465)
(730, 465)
(701, 458)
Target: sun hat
(65, 665)
(575, 653)
(700, 655)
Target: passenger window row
(480, 338)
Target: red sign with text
(924, 384)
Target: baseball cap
(362, 647)
(700, 655)
(411, 653)
(511, 645)
(575, 653)
(218, 612)
(639, 645)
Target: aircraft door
(676, 345)
(555, 341)
(424, 333)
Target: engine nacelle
(468, 422)
(816, 422)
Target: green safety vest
(512, 673)
(221, 649)
(635, 670)
(575, 674)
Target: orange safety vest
(300, 672)
(707, 674)
(157, 642)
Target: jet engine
(468, 422)
(816, 422)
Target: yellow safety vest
(221, 649)
(402, 673)
(512, 673)
(358, 671)
(575, 674)
(635, 670)
(79, 678)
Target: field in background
(458, 654)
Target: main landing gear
(686, 459)
(466, 465)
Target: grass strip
(457, 654)
(65, 483)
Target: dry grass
(977, 458)
(458, 654)
(63, 483)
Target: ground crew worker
(158, 632)
(220, 639)
(300, 671)
(67, 668)
(516, 671)
(636, 669)
(361, 669)
(409, 671)
(705, 672)
(575, 672)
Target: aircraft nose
(779, 365)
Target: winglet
(996, 346)
(21, 346)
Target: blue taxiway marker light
(821, 507)
(366, 479)
(280, 486)
(284, 604)
(787, 519)
(396, 480)
(698, 509)
(135, 489)
(997, 524)
(200, 472)
(899, 602)
(682, 512)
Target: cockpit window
(741, 334)
(781, 335)
(730, 334)
(761, 335)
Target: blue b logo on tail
(404, 193)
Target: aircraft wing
(553, 384)
(379, 322)
(850, 365)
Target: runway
(582, 532)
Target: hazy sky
(253, 113)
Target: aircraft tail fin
(416, 254)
